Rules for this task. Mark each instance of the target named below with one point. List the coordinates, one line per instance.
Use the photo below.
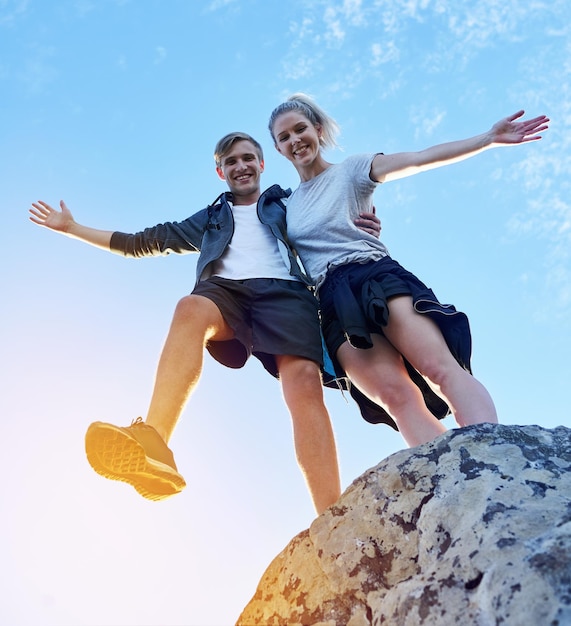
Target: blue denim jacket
(209, 232)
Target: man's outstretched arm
(62, 221)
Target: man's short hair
(225, 145)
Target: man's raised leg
(138, 454)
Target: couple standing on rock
(385, 331)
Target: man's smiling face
(241, 168)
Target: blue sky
(115, 106)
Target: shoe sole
(115, 455)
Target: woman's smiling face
(297, 138)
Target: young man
(250, 297)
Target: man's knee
(300, 376)
(195, 308)
(291, 367)
(187, 306)
(202, 316)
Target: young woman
(382, 325)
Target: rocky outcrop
(472, 529)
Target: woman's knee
(440, 369)
(398, 395)
(392, 388)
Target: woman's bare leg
(381, 375)
(420, 341)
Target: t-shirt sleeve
(360, 167)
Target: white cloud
(353, 11)
(160, 55)
(426, 123)
(122, 62)
(11, 10)
(547, 217)
(384, 53)
(334, 34)
(301, 68)
(300, 65)
(461, 28)
(39, 71)
(83, 7)
(215, 5)
(388, 44)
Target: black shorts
(268, 316)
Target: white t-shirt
(253, 251)
(321, 213)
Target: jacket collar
(275, 192)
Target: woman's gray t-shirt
(320, 215)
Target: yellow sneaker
(134, 454)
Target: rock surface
(472, 529)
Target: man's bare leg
(313, 434)
(138, 454)
(196, 321)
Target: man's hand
(62, 222)
(43, 214)
(370, 223)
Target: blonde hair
(225, 144)
(316, 115)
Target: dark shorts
(353, 302)
(268, 316)
(354, 298)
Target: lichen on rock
(471, 528)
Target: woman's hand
(509, 131)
